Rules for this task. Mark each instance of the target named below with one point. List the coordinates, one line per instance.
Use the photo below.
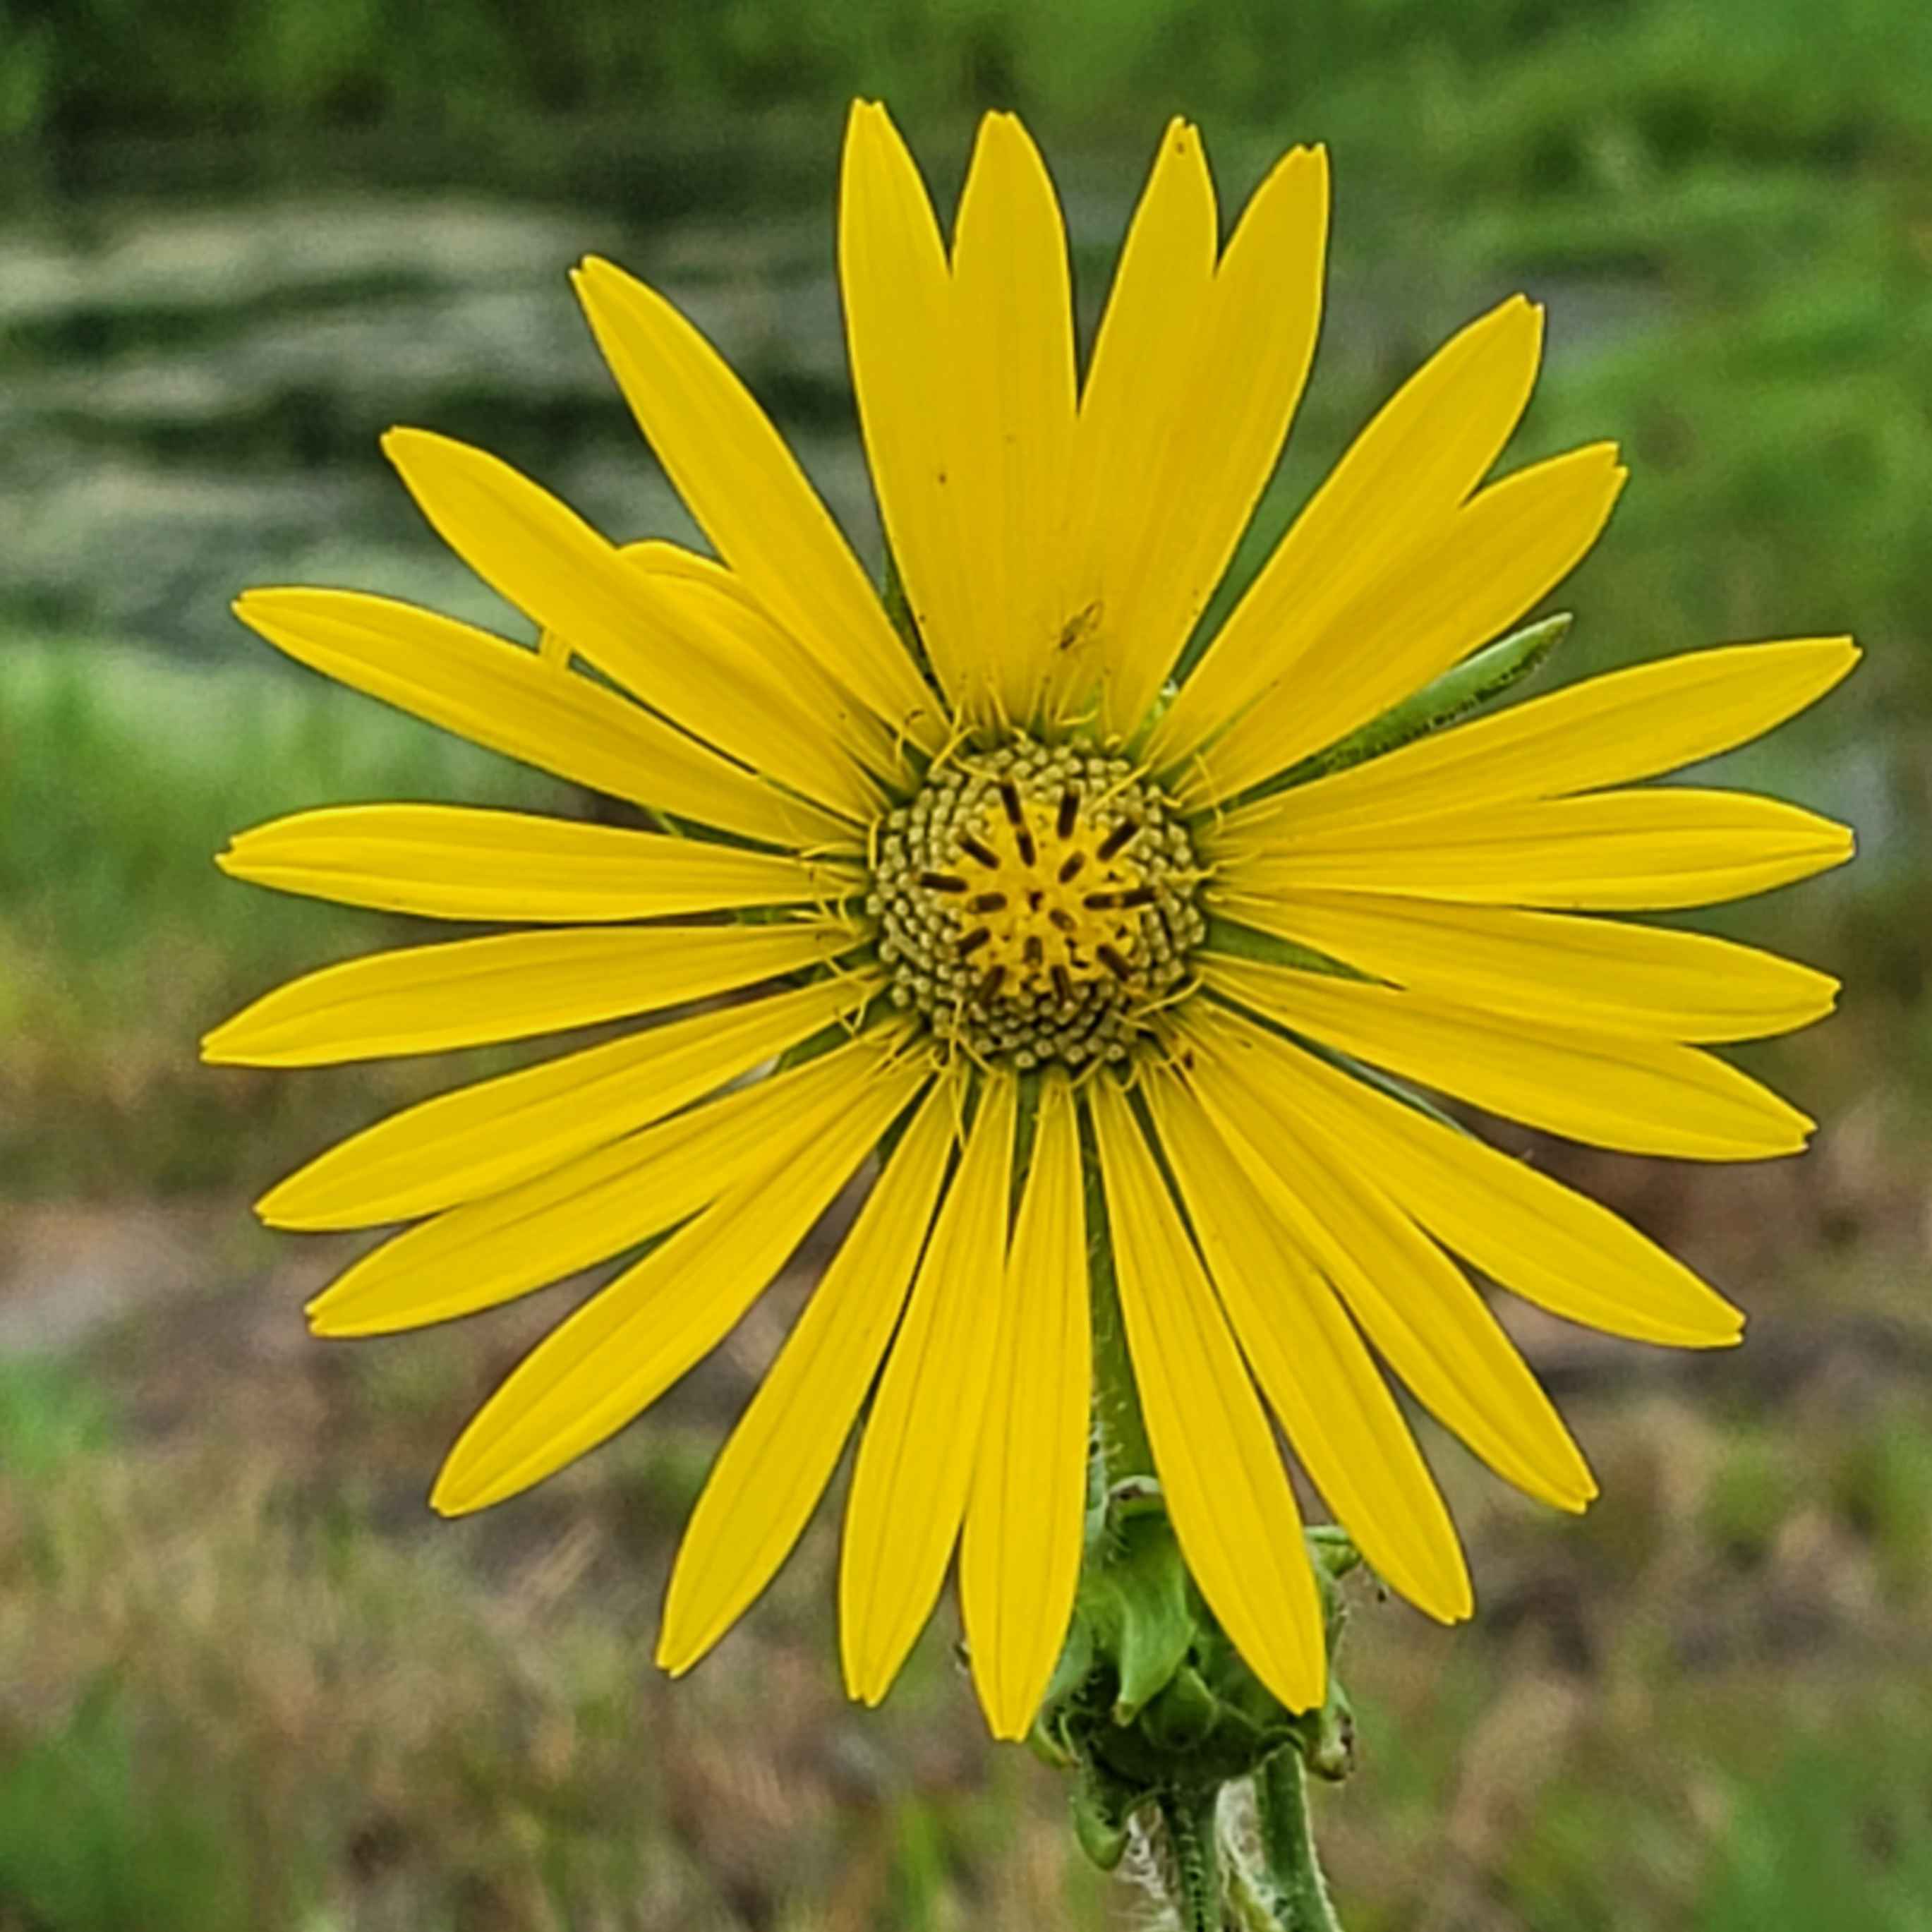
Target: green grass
(121, 776)
(1843, 1826)
(101, 1831)
(50, 1413)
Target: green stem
(1293, 1872)
(1120, 1431)
(1193, 1857)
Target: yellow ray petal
(1551, 1245)
(898, 293)
(431, 999)
(1401, 478)
(485, 1138)
(749, 644)
(1606, 975)
(770, 1475)
(915, 1466)
(1606, 731)
(1120, 539)
(1012, 443)
(1338, 1414)
(1019, 1558)
(699, 660)
(462, 862)
(1486, 566)
(627, 1344)
(500, 695)
(1250, 361)
(1225, 1485)
(491, 1250)
(1414, 1304)
(1646, 850)
(1637, 1095)
(750, 497)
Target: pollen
(1035, 903)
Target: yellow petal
(1249, 363)
(1225, 1485)
(898, 293)
(483, 1138)
(500, 695)
(1013, 310)
(1414, 1304)
(597, 1205)
(1637, 1095)
(1606, 975)
(1551, 1245)
(1019, 1558)
(460, 861)
(749, 645)
(431, 999)
(1606, 731)
(627, 1344)
(770, 1475)
(1487, 565)
(1122, 531)
(750, 497)
(1646, 850)
(1400, 481)
(915, 1466)
(685, 653)
(1318, 1379)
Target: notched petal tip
(446, 1505)
(595, 270)
(1519, 315)
(217, 1047)
(1577, 1504)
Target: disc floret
(1036, 903)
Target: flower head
(1092, 954)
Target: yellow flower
(1054, 936)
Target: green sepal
(1134, 1605)
(1487, 674)
(1179, 1716)
(1150, 1701)
(1101, 1807)
(1229, 936)
(1327, 1737)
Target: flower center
(1035, 903)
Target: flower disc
(1036, 903)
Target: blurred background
(246, 1680)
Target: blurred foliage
(1557, 92)
(1844, 1823)
(50, 1412)
(121, 775)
